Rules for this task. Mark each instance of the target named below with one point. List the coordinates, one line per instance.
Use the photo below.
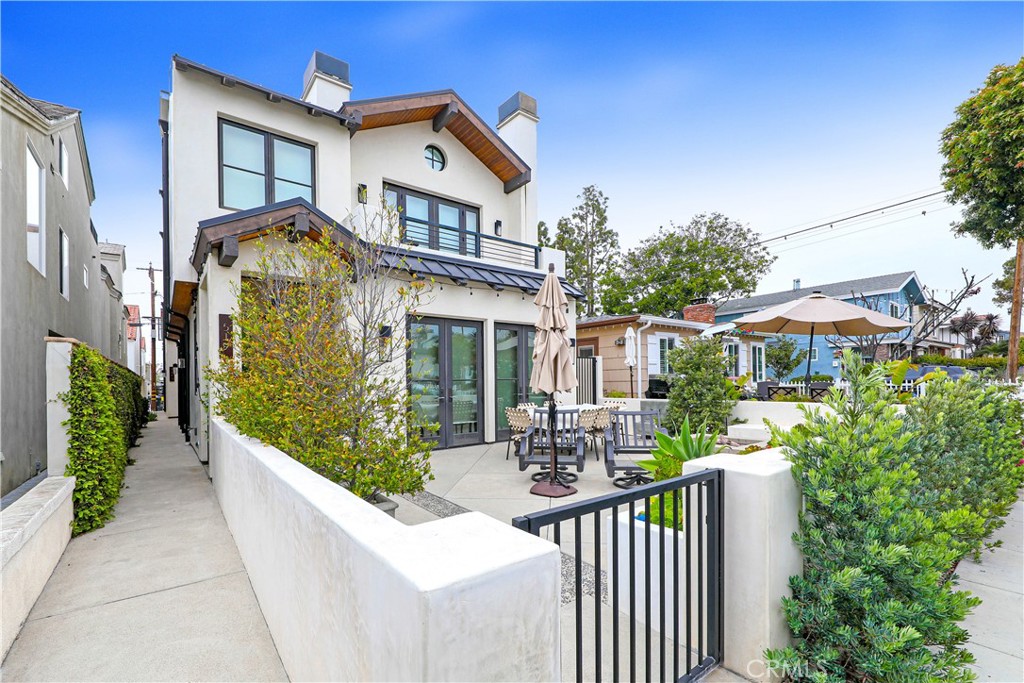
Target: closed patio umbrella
(630, 355)
(821, 314)
(552, 368)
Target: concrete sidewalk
(159, 593)
(997, 624)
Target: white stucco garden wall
(34, 530)
(352, 594)
(761, 507)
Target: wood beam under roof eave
(447, 113)
(517, 182)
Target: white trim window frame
(731, 349)
(757, 369)
(85, 275)
(35, 210)
(64, 278)
(666, 343)
(63, 161)
(814, 354)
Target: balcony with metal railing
(424, 234)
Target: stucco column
(762, 502)
(58, 381)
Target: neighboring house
(605, 336)
(900, 295)
(55, 280)
(137, 360)
(240, 158)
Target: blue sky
(775, 114)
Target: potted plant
(650, 524)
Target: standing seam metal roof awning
(497, 277)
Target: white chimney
(325, 82)
(796, 284)
(517, 125)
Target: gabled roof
(868, 286)
(183, 64)
(447, 111)
(51, 116)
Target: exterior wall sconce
(361, 193)
(621, 341)
(384, 340)
(497, 228)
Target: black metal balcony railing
(469, 243)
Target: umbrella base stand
(552, 489)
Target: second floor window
(259, 168)
(435, 223)
(65, 265)
(35, 195)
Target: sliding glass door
(446, 378)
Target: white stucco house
(240, 158)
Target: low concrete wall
(351, 594)
(762, 502)
(34, 531)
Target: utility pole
(1013, 348)
(152, 333)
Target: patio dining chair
(602, 421)
(519, 420)
(588, 421)
(631, 433)
(611, 404)
(568, 440)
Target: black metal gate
(648, 599)
(586, 380)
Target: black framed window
(434, 222)
(259, 168)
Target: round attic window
(435, 157)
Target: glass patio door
(445, 378)
(513, 352)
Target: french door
(446, 378)
(513, 355)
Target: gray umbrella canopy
(552, 353)
(820, 314)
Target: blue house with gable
(896, 294)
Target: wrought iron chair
(631, 433)
(519, 420)
(569, 441)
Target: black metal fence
(586, 380)
(647, 598)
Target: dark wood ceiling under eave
(447, 110)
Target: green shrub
(132, 409)
(872, 603)
(701, 390)
(969, 441)
(995, 362)
(614, 393)
(97, 442)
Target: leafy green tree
(1002, 287)
(317, 363)
(710, 257)
(591, 247)
(782, 357)
(543, 236)
(700, 392)
(984, 170)
(871, 603)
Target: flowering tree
(317, 362)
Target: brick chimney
(702, 312)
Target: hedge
(105, 412)
(997, 362)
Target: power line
(865, 207)
(830, 224)
(847, 234)
(919, 209)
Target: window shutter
(224, 337)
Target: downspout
(640, 346)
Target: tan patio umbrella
(552, 368)
(821, 314)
